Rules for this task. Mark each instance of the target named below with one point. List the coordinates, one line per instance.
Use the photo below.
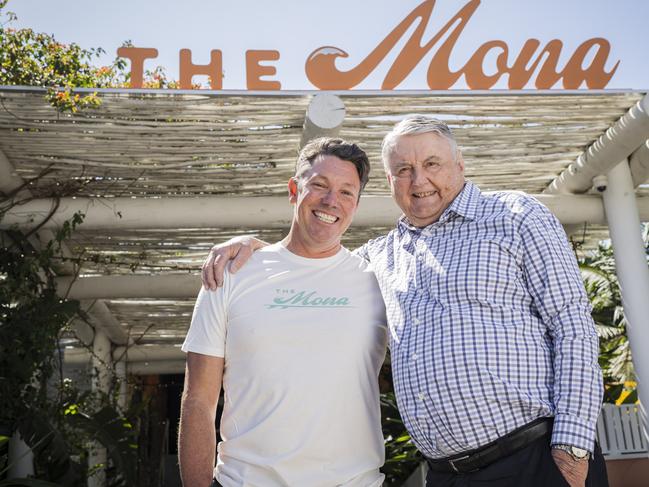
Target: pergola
(162, 175)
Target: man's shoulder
(516, 204)
(509, 197)
(274, 248)
(378, 244)
(354, 262)
(357, 260)
(253, 266)
(359, 275)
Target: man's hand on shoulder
(574, 471)
(238, 250)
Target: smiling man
(297, 348)
(425, 172)
(493, 349)
(494, 352)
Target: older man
(494, 351)
(298, 348)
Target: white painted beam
(76, 356)
(122, 382)
(9, 180)
(133, 353)
(101, 379)
(151, 366)
(101, 317)
(83, 331)
(155, 368)
(324, 117)
(639, 164)
(131, 286)
(146, 353)
(632, 270)
(246, 212)
(619, 141)
(102, 362)
(139, 213)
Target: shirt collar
(465, 205)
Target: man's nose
(330, 198)
(418, 176)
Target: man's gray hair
(415, 125)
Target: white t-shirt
(303, 341)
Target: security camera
(600, 183)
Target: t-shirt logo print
(291, 298)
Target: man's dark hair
(328, 146)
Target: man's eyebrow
(402, 163)
(350, 185)
(325, 178)
(433, 158)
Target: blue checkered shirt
(490, 326)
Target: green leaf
(115, 434)
(50, 449)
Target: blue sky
(296, 28)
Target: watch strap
(576, 453)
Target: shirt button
(421, 397)
(414, 356)
(416, 321)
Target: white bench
(620, 432)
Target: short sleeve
(207, 330)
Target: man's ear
(460, 160)
(292, 190)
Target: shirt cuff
(574, 431)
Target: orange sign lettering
(321, 67)
(535, 64)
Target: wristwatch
(575, 452)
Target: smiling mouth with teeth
(423, 195)
(325, 218)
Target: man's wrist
(576, 453)
(574, 431)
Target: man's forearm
(578, 387)
(196, 445)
